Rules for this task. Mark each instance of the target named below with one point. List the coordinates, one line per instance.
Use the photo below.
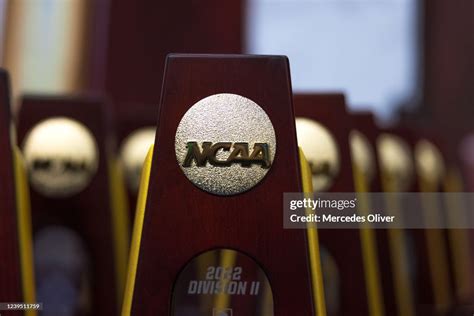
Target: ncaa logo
(225, 144)
(61, 156)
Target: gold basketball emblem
(61, 156)
(321, 151)
(225, 144)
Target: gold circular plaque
(320, 148)
(429, 161)
(362, 154)
(61, 156)
(395, 159)
(225, 144)
(133, 152)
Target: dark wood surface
(10, 274)
(448, 76)
(89, 212)
(134, 37)
(453, 160)
(182, 220)
(343, 244)
(132, 116)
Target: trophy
(415, 257)
(16, 272)
(363, 140)
(208, 236)
(432, 171)
(323, 127)
(80, 220)
(459, 241)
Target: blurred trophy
(446, 261)
(414, 255)
(323, 127)
(79, 206)
(363, 140)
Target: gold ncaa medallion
(61, 156)
(225, 144)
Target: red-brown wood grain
(134, 37)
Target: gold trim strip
(436, 246)
(24, 231)
(228, 259)
(319, 300)
(120, 224)
(137, 234)
(458, 238)
(369, 249)
(398, 254)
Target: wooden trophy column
(418, 290)
(78, 207)
(16, 271)
(431, 170)
(364, 123)
(323, 128)
(206, 210)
